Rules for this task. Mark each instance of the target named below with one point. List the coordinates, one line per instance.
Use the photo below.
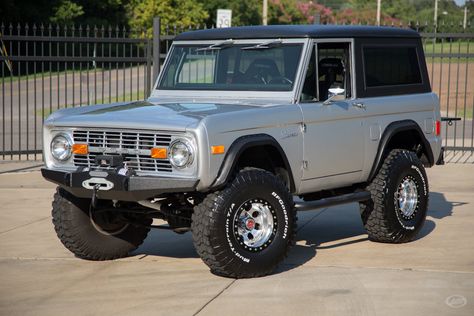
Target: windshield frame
(241, 94)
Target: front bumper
(115, 186)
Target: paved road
(333, 269)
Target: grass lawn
(52, 74)
(446, 47)
(459, 112)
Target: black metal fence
(450, 61)
(45, 68)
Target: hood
(175, 116)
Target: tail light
(438, 128)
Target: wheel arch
(261, 146)
(405, 134)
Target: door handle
(359, 105)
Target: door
(334, 137)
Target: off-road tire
(214, 230)
(76, 231)
(381, 215)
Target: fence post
(156, 47)
(148, 83)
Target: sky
(460, 2)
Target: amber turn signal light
(217, 150)
(159, 153)
(80, 149)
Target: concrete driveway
(333, 269)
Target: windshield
(232, 67)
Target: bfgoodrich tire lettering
(79, 234)
(397, 210)
(221, 221)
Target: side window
(332, 70)
(391, 66)
(309, 92)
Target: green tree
(364, 16)
(103, 12)
(184, 13)
(310, 9)
(66, 12)
(361, 4)
(285, 12)
(399, 9)
(31, 11)
(450, 17)
(247, 12)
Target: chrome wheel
(407, 197)
(255, 225)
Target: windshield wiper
(264, 45)
(216, 46)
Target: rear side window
(391, 66)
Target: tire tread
(378, 225)
(204, 231)
(73, 235)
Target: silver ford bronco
(246, 126)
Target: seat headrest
(264, 63)
(328, 64)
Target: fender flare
(391, 130)
(238, 147)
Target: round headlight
(61, 147)
(181, 153)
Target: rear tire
(88, 238)
(246, 229)
(397, 209)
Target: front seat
(330, 68)
(261, 70)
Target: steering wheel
(280, 80)
(259, 74)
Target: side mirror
(334, 94)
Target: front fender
(241, 144)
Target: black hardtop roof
(297, 31)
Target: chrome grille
(134, 147)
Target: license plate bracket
(109, 161)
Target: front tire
(89, 235)
(397, 209)
(246, 229)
